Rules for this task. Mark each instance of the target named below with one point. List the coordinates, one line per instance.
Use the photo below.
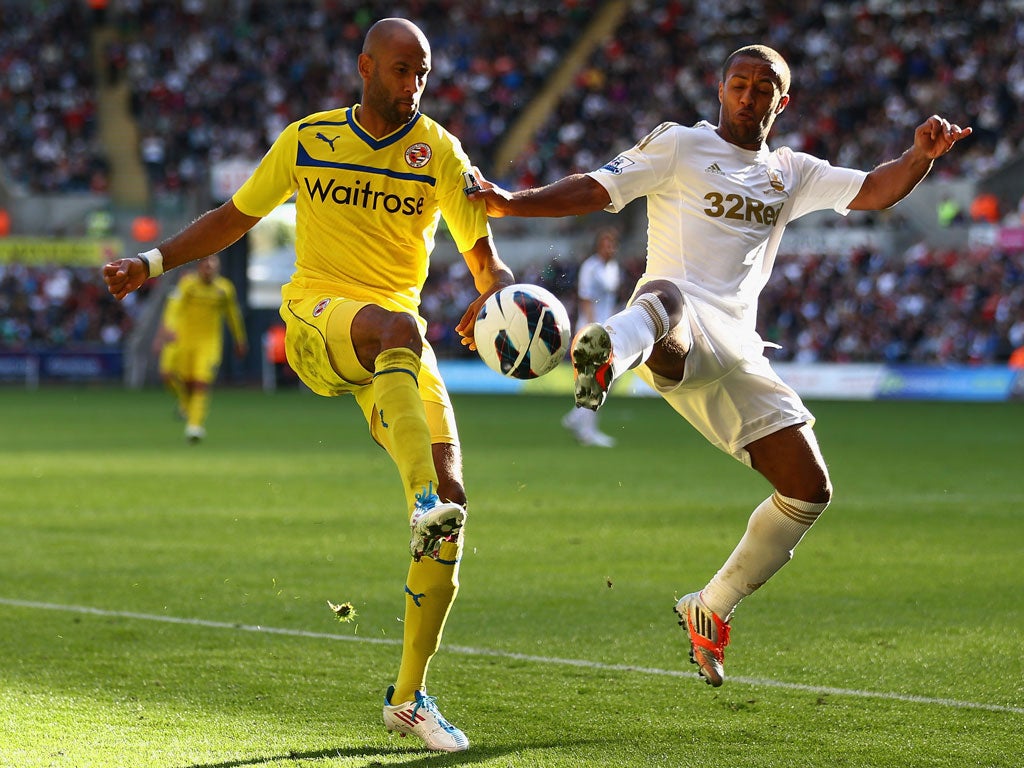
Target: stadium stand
(199, 82)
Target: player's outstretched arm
(212, 232)
(572, 196)
(490, 274)
(890, 182)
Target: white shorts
(729, 392)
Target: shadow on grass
(374, 755)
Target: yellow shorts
(198, 362)
(168, 363)
(306, 322)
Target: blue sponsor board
(919, 382)
(838, 382)
(61, 365)
(472, 376)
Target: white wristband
(154, 261)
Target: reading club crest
(418, 155)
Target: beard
(380, 101)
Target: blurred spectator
(216, 80)
(145, 229)
(985, 208)
(99, 223)
(1017, 359)
(949, 212)
(59, 305)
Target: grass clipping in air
(345, 612)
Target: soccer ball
(522, 331)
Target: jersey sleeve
(273, 181)
(234, 313)
(640, 170)
(824, 186)
(466, 220)
(169, 317)
(590, 282)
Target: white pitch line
(469, 651)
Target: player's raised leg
(601, 353)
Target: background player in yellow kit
(371, 183)
(201, 303)
(165, 346)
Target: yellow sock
(186, 400)
(397, 397)
(430, 590)
(198, 407)
(177, 388)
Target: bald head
(388, 34)
(394, 66)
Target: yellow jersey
(200, 309)
(366, 209)
(169, 317)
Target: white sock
(586, 421)
(774, 530)
(635, 330)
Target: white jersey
(598, 283)
(716, 212)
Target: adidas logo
(713, 168)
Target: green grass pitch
(166, 605)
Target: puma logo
(327, 141)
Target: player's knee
(817, 491)
(400, 329)
(375, 329)
(824, 495)
(670, 297)
(812, 487)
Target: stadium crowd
(212, 81)
(864, 75)
(49, 137)
(926, 306)
(59, 306)
(216, 80)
